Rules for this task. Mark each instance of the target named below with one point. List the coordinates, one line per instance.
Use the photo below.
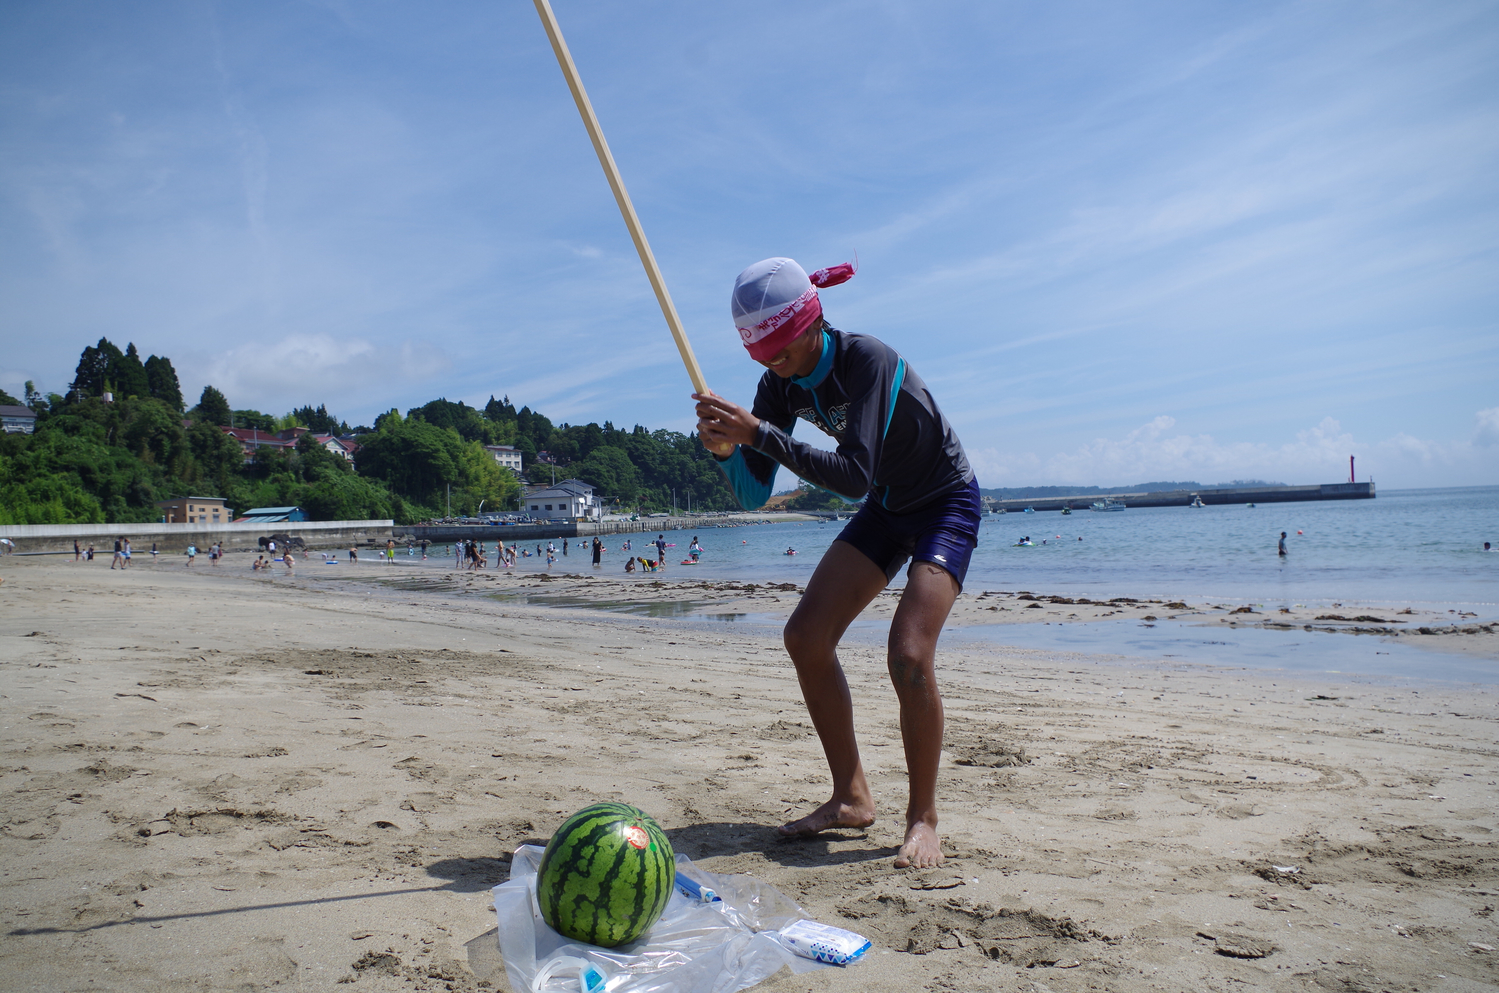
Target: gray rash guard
(893, 442)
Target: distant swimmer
(1486, 547)
(790, 551)
(1282, 550)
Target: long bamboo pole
(621, 195)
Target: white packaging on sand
(721, 946)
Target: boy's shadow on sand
(713, 839)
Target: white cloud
(1316, 455)
(317, 368)
(1486, 432)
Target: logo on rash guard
(838, 415)
(810, 416)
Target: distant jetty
(1185, 498)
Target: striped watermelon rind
(606, 875)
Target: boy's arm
(874, 381)
(751, 474)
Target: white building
(571, 499)
(335, 445)
(506, 455)
(17, 420)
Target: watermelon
(606, 875)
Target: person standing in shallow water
(893, 445)
(1281, 548)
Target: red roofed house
(251, 440)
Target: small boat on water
(1196, 501)
(1107, 503)
(1066, 511)
(1030, 510)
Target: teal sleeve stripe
(749, 491)
(895, 385)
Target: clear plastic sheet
(695, 947)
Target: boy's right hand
(722, 424)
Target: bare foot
(922, 850)
(833, 814)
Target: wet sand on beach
(215, 780)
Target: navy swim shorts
(944, 532)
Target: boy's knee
(802, 636)
(909, 669)
(795, 636)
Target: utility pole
(450, 499)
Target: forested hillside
(122, 438)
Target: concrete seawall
(174, 538)
(1184, 498)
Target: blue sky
(1121, 242)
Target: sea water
(1418, 547)
(1422, 548)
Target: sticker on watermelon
(606, 875)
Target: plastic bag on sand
(695, 947)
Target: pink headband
(774, 301)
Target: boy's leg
(842, 586)
(924, 606)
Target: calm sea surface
(1419, 547)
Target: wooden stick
(621, 196)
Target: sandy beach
(215, 780)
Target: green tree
(152, 431)
(810, 497)
(162, 381)
(8, 400)
(484, 482)
(129, 376)
(93, 377)
(318, 420)
(610, 472)
(218, 457)
(212, 407)
(252, 419)
(416, 459)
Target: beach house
(195, 510)
(272, 515)
(569, 500)
(17, 420)
(506, 455)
